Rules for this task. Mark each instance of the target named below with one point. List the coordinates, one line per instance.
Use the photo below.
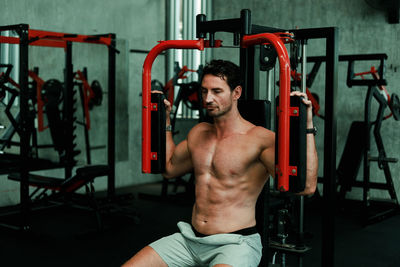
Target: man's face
(216, 94)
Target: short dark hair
(224, 69)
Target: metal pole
(169, 35)
(189, 26)
(303, 90)
(185, 53)
(111, 119)
(25, 126)
(5, 57)
(195, 54)
(303, 66)
(269, 87)
(68, 108)
(14, 60)
(209, 52)
(329, 189)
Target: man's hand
(312, 157)
(308, 103)
(168, 106)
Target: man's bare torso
(229, 176)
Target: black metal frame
(239, 27)
(381, 159)
(371, 93)
(387, 209)
(331, 89)
(27, 124)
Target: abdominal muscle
(224, 206)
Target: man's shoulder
(262, 136)
(261, 132)
(200, 128)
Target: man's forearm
(312, 161)
(170, 146)
(312, 165)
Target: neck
(228, 124)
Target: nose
(207, 97)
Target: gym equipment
(258, 112)
(281, 243)
(147, 154)
(297, 155)
(357, 147)
(11, 130)
(87, 95)
(97, 98)
(277, 40)
(158, 144)
(37, 84)
(64, 188)
(49, 99)
(298, 79)
(51, 92)
(189, 94)
(25, 125)
(249, 34)
(394, 105)
(92, 95)
(169, 86)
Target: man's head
(226, 70)
(220, 87)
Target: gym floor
(67, 236)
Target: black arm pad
(158, 137)
(298, 145)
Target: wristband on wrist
(312, 130)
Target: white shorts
(186, 249)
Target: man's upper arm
(180, 162)
(267, 156)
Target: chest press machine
(290, 127)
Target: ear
(237, 92)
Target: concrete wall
(362, 29)
(137, 25)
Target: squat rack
(30, 37)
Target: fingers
(166, 102)
(302, 96)
(167, 105)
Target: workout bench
(64, 187)
(83, 176)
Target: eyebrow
(215, 88)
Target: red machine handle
(146, 92)
(282, 166)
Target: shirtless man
(231, 159)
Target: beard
(216, 112)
